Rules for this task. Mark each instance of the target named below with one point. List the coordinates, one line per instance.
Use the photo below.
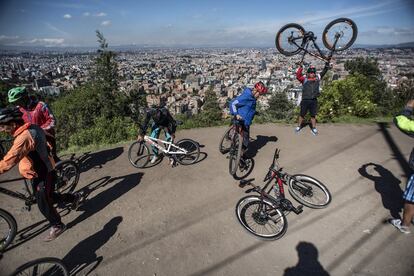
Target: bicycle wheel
(8, 229)
(286, 37)
(261, 218)
(309, 191)
(343, 29)
(67, 173)
(139, 154)
(225, 143)
(43, 266)
(235, 153)
(2, 151)
(193, 152)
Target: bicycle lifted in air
(337, 36)
(264, 215)
(184, 151)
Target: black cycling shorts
(309, 105)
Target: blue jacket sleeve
(233, 106)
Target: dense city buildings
(181, 77)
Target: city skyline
(191, 23)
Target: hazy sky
(195, 22)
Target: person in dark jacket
(162, 119)
(310, 94)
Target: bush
(105, 131)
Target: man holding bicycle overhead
(29, 150)
(162, 119)
(310, 94)
(243, 108)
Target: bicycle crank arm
(298, 209)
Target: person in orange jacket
(29, 150)
(35, 112)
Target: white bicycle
(185, 151)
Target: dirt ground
(181, 220)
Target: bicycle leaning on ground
(67, 177)
(231, 143)
(338, 35)
(265, 215)
(185, 151)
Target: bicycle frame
(28, 199)
(308, 38)
(167, 149)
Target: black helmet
(10, 114)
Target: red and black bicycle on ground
(264, 215)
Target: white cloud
(86, 14)
(106, 23)
(101, 14)
(67, 16)
(5, 37)
(44, 41)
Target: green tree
(211, 113)
(364, 66)
(280, 107)
(380, 94)
(4, 89)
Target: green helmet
(16, 93)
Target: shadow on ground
(308, 263)
(259, 143)
(387, 185)
(83, 255)
(100, 201)
(90, 160)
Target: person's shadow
(387, 185)
(97, 203)
(84, 253)
(308, 263)
(89, 160)
(258, 143)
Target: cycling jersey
(161, 118)
(404, 121)
(38, 113)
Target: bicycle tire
(67, 176)
(235, 154)
(2, 151)
(281, 43)
(226, 138)
(139, 154)
(324, 197)
(331, 25)
(248, 202)
(54, 266)
(193, 152)
(10, 233)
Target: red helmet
(260, 87)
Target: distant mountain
(401, 45)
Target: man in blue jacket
(244, 108)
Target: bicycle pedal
(298, 209)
